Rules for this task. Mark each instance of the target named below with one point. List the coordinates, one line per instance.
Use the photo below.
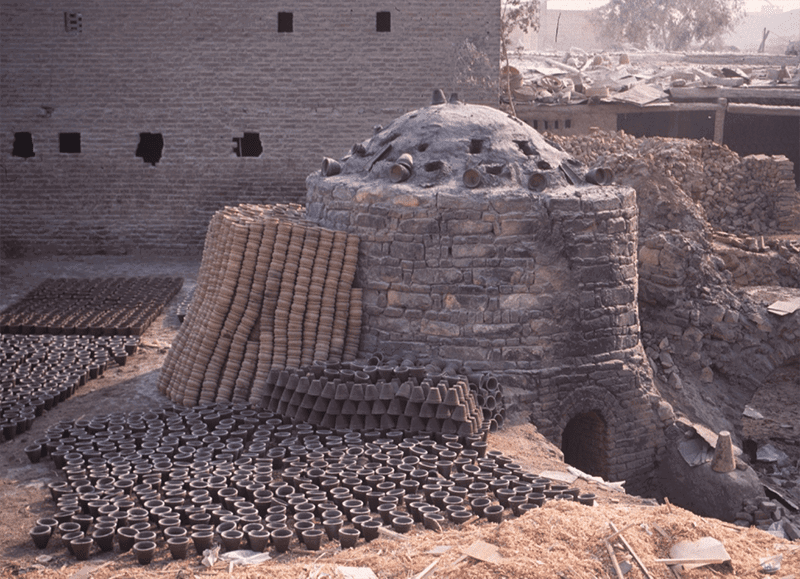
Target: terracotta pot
(81, 547)
(494, 513)
(144, 551)
(281, 538)
(126, 537)
(40, 535)
(179, 546)
(348, 536)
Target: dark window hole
(248, 146)
(526, 147)
(555, 124)
(285, 22)
(150, 147)
(475, 146)
(433, 166)
(495, 169)
(421, 147)
(568, 123)
(383, 22)
(23, 146)
(536, 125)
(543, 165)
(69, 142)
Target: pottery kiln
(483, 245)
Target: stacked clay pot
(274, 291)
(395, 394)
(229, 474)
(102, 306)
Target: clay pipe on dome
(438, 97)
(537, 182)
(599, 176)
(330, 167)
(401, 170)
(472, 178)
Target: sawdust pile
(563, 539)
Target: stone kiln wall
(542, 290)
(201, 73)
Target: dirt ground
(563, 539)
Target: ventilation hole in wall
(585, 443)
(495, 169)
(421, 147)
(23, 146)
(73, 22)
(69, 142)
(568, 123)
(433, 166)
(526, 147)
(248, 146)
(536, 125)
(475, 146)
(285, 22)
(383, 22)
(150, 147)
(546, 125)
(543, 165)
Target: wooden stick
(391, 534)
(614, 561)
(427, 570)
(661, 531)
(691, 561)
(613, 536)
(669, 506)
(470, 520)
(633, 553)
(457, 562)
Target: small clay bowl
(348, 536)
(40, 535)
(144, 551)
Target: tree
(522, 15)
(668, 24)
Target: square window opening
(383, 22)
(568, 123)
(23, 145)
(248, 146)
(150, 147)
(555, 124)
(69, 142)
(285, 22)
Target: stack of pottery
(274, 291)
(368, 397)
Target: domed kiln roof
(467, 146)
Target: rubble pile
(751, 195)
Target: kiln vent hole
(23, 145)
(150, 147)
(248, 146)
(527, 148)
(585, 443)
(475, 146)
(421, 147)
(433, 166)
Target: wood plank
(683, 93)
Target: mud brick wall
(202, 73)
(540, 290)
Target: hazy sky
(750, 5)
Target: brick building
(126, 125)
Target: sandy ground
(561, 540)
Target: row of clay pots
(114, 306)
(275, 482)
(38, 372)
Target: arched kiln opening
(585, 443)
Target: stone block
(405, 250)
(408, 300)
